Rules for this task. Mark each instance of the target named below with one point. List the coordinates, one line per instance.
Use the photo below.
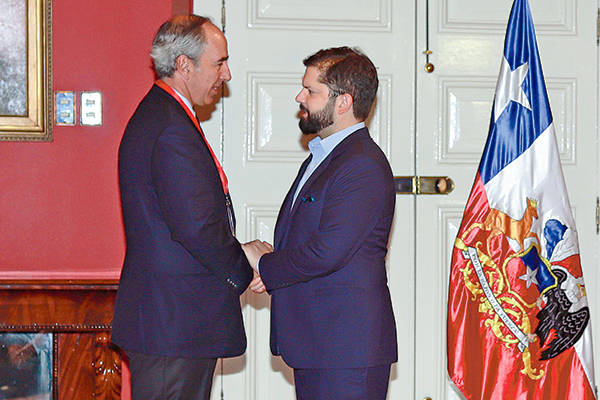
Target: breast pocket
(308, 213)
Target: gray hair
(181, 35)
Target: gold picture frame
(25, 71)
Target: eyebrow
(310, 87)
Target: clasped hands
(254, 250)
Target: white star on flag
(529, 277)
(509, 88)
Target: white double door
(428, 124)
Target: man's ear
(344, 103)
(183, 65)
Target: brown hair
(347, 70)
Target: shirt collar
(320, 148)
(186, 101)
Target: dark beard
(317, 121)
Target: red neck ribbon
(160, 83)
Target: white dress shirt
(186, 101)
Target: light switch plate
(64, 108)
(91, 108)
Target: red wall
(59, 203)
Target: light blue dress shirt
(320, 149)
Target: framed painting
(25, 70)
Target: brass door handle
(423, 184)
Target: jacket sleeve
(192, 203)
(354, 202)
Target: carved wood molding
(56, 306)
(106, 361)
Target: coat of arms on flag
(518, 316)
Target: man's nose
(226, 73)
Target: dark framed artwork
(25, 70)
(26, 365)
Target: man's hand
(257, 285)
(254, 250)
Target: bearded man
(331, 313)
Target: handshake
(254, 250)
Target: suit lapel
(282, 225)
(316, 173)
(339, 149)
(285, 214)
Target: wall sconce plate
(64, 108)
(91, 108)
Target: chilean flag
(518, 322)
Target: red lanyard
(172, 92)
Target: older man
(178, 308)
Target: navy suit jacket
(183, 270)
(330, 305)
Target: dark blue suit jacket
(330, 305)
(183, 270)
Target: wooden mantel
(78, 314)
